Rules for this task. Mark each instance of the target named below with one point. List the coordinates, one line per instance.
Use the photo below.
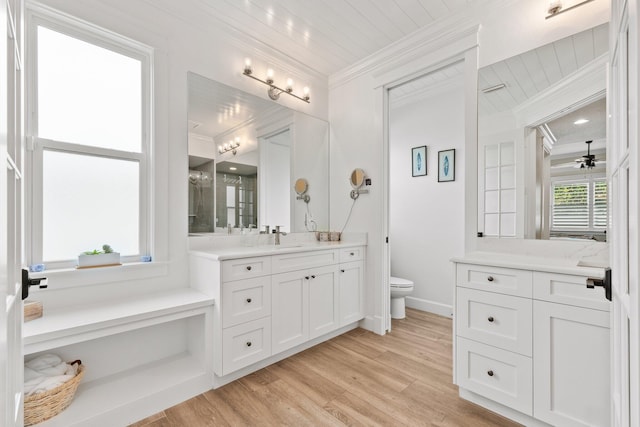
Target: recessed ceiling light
(580, 121)
(231, 168)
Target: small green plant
(106, 249)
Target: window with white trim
(89, 106)
(579, 205)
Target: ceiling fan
(588, 161)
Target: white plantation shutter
(579, 205)
(600, 204)
(570, 206)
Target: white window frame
(590, 181)
(39, 15)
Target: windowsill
(72, 277)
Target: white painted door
(323, 300)
(11, 189)
(623, 180)
(351, 292)
(290, 310)
(570, 365)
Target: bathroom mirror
(532, 126)
(243, 154)
(357, 178)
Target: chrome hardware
(278, 233)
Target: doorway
(426, 123)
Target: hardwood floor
(359, 378)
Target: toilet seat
(399, 283)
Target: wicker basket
(39, 407)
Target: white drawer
(303, 260)
(496, 374)
(244, 268)
(245, 344)
(351, 254)
(245, 300)
(503, 321)
(495, 279)
(567, 289)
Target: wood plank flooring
(359, 378)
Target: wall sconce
(275, 91)
(231, 146)
(556, 7)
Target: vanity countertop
(235, 252)
(538, 263)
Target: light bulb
(305, 90)
(289, 85)
(269, 75)
(247, 65)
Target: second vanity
(275, 300)
(532, 340)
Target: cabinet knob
(306, 277)
(248, 268)
(490, 319)
(490, 373)
(351, 253)
(249, 300)
(313, 276)
(248, 343)
(490, 278)
(341, 271)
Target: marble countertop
(235, 252)
(539, 263)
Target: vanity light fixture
(556, 7)
(494, 88)
(230, 146)
(274, 91)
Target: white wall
(426, 215)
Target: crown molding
(426, 39)
(580, 88)
(427, 92)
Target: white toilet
(400, 288)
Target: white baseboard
(429, 306)
(374, 324)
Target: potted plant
(99, 258)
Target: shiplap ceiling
(325, 35)
(528, 74)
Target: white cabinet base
(505, 411)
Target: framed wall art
(419, 161)
(447, 165)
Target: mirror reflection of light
(580, 121)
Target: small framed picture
(419, 161)
(447, 165)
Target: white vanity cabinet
(280, 302)
(531, 344)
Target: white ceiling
(324, 35)
(528, 74)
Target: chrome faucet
(278, 233)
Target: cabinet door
(290, 308)
(571, 365)
(351, 292)
(323, 300)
